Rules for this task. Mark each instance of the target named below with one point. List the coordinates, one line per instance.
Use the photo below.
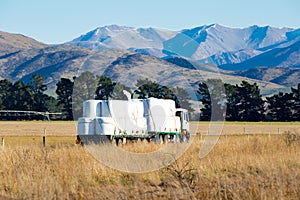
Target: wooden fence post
(44, 138)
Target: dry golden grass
(68, 128)
(239, 167)
(239, 128)
(13, 141)
(36, 128)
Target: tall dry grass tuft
(256, 167)
(57, 172)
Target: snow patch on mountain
(122, 37)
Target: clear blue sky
(57, 21)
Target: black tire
(117, 141)
(181, 138)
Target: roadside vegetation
(256, 167)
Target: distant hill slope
(279, 65)
(282, 76)
(54, 62)
(123, 66)
(10, 43)
(132, 66)
(279, 57)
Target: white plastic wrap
(172, 124)
(133, 117)
(86, 126)
(142, 126)
(128, 116)
(160, 115)
(104, 109)
(159, 107)
(104, 126)
(135, 108)
(91, 108)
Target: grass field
(36, 128)
(69, 128)
(239, 166)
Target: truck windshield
(186, 116)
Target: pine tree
(212, 96)
(251, 105)
(5, 86)
(85, 86)
(280, 107)
(296, 102)
(107, 89)
(37, 90)
(64, 91)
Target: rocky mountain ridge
(21, 57)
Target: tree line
(26, 97)
(240, 102)
(244, 102)
(70, 94)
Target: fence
(26, 115)
(247, 128)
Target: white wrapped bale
(135, 109)
(104, 126)
(120, 125)
(172, 124)
(159, 123)
(142, 125)
(128, 116)
(118, 108)
(159, 107)
(104, 109)
(165, 124)
(133, 117)
(118, 111)
(85, 126)
(91, 108)
(160, 114)
(135, 121)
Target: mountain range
(267, 55)
(263, 53)
(213, 44)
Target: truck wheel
(188, 136)
(117, 141)
(181, 138)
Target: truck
(149, 119)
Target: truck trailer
(117, 121)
